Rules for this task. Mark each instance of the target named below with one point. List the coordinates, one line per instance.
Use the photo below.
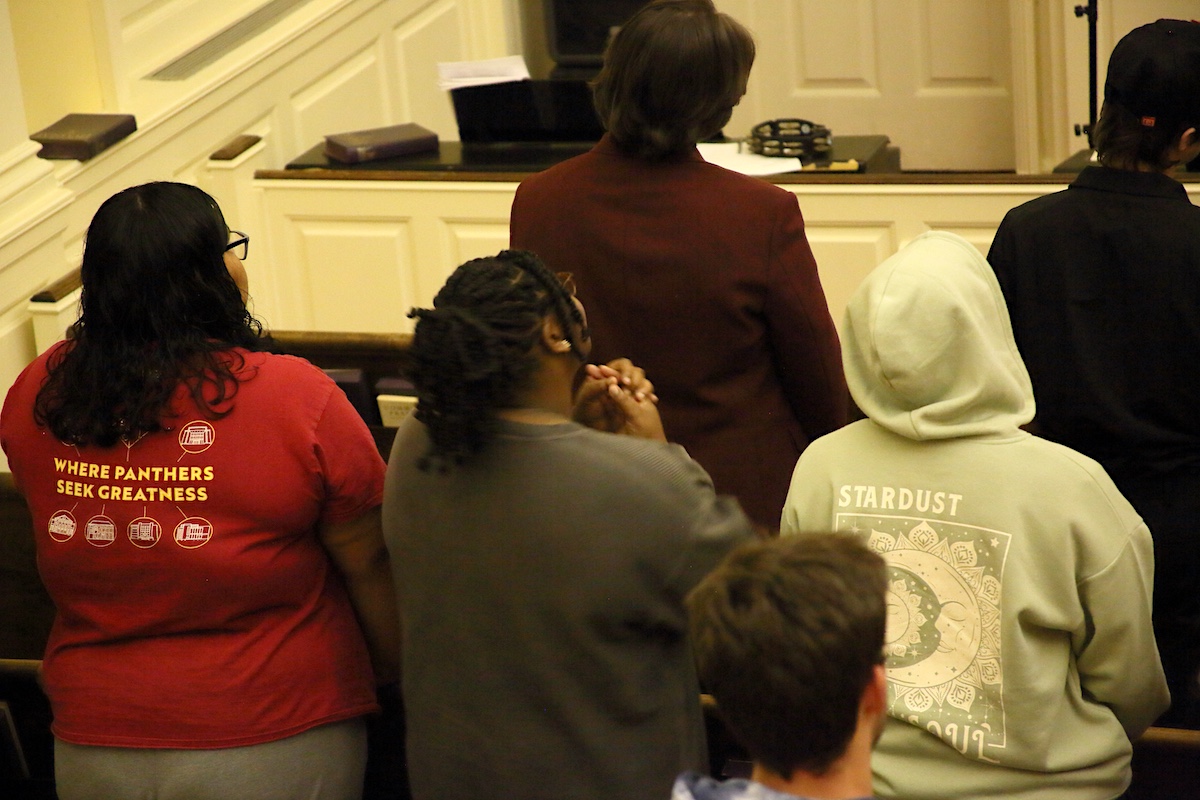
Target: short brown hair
(787, 634)
(1123, 141)
(671, 77)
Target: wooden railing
(377, 354)
(59, 289)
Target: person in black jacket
(1103, 285)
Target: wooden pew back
(378, 355)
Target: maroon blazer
(704, 278)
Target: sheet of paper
(725, 154)
(456, 74)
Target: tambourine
(791, 138)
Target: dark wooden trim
(378, 354)
(1170, 739)
(389, 175)
(235, 147)
(851, 178)
(791, 178)
(922, 179)
(20, 666)
(59, 289)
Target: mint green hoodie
(1021, 658)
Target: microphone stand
(1090, 11)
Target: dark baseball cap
(1154, 72)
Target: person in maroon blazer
(701, 275)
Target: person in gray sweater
(541, 565)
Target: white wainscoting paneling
(851, 227)
(465, 239)
(854, 228)
(845, 253)
(357, 255)
(355, 276)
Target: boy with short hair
(788, 637)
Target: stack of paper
(457, 74)
(730, 156)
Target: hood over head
(928, 347)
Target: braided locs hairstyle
(473, 352)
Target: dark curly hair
(159, 309)
(671, 77)
(473, 352)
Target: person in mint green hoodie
(1021, 659)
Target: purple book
(369, 145)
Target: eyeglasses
(567, 280)
(240, 246)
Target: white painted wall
(32, 218)
(333, 65)
(68, 82)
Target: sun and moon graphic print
(944, 665)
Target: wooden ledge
(20, 666)
(389, 175)
(379, 354)
(1170, 738)
(814, 177)
(59, 289)
(388, 344)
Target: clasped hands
(616, 397)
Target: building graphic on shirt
(144, 532)
(193, 532)
(62, 526)
(100, 531)
(944, 663)
(197, 436)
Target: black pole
(1090, 11)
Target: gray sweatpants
(324, 763)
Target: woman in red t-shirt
(206, 516)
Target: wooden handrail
(20, 666)
(351, 342)
(235, 147)
(59, 289)
(376, 353)
(1174, 738)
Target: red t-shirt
(196, 606)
